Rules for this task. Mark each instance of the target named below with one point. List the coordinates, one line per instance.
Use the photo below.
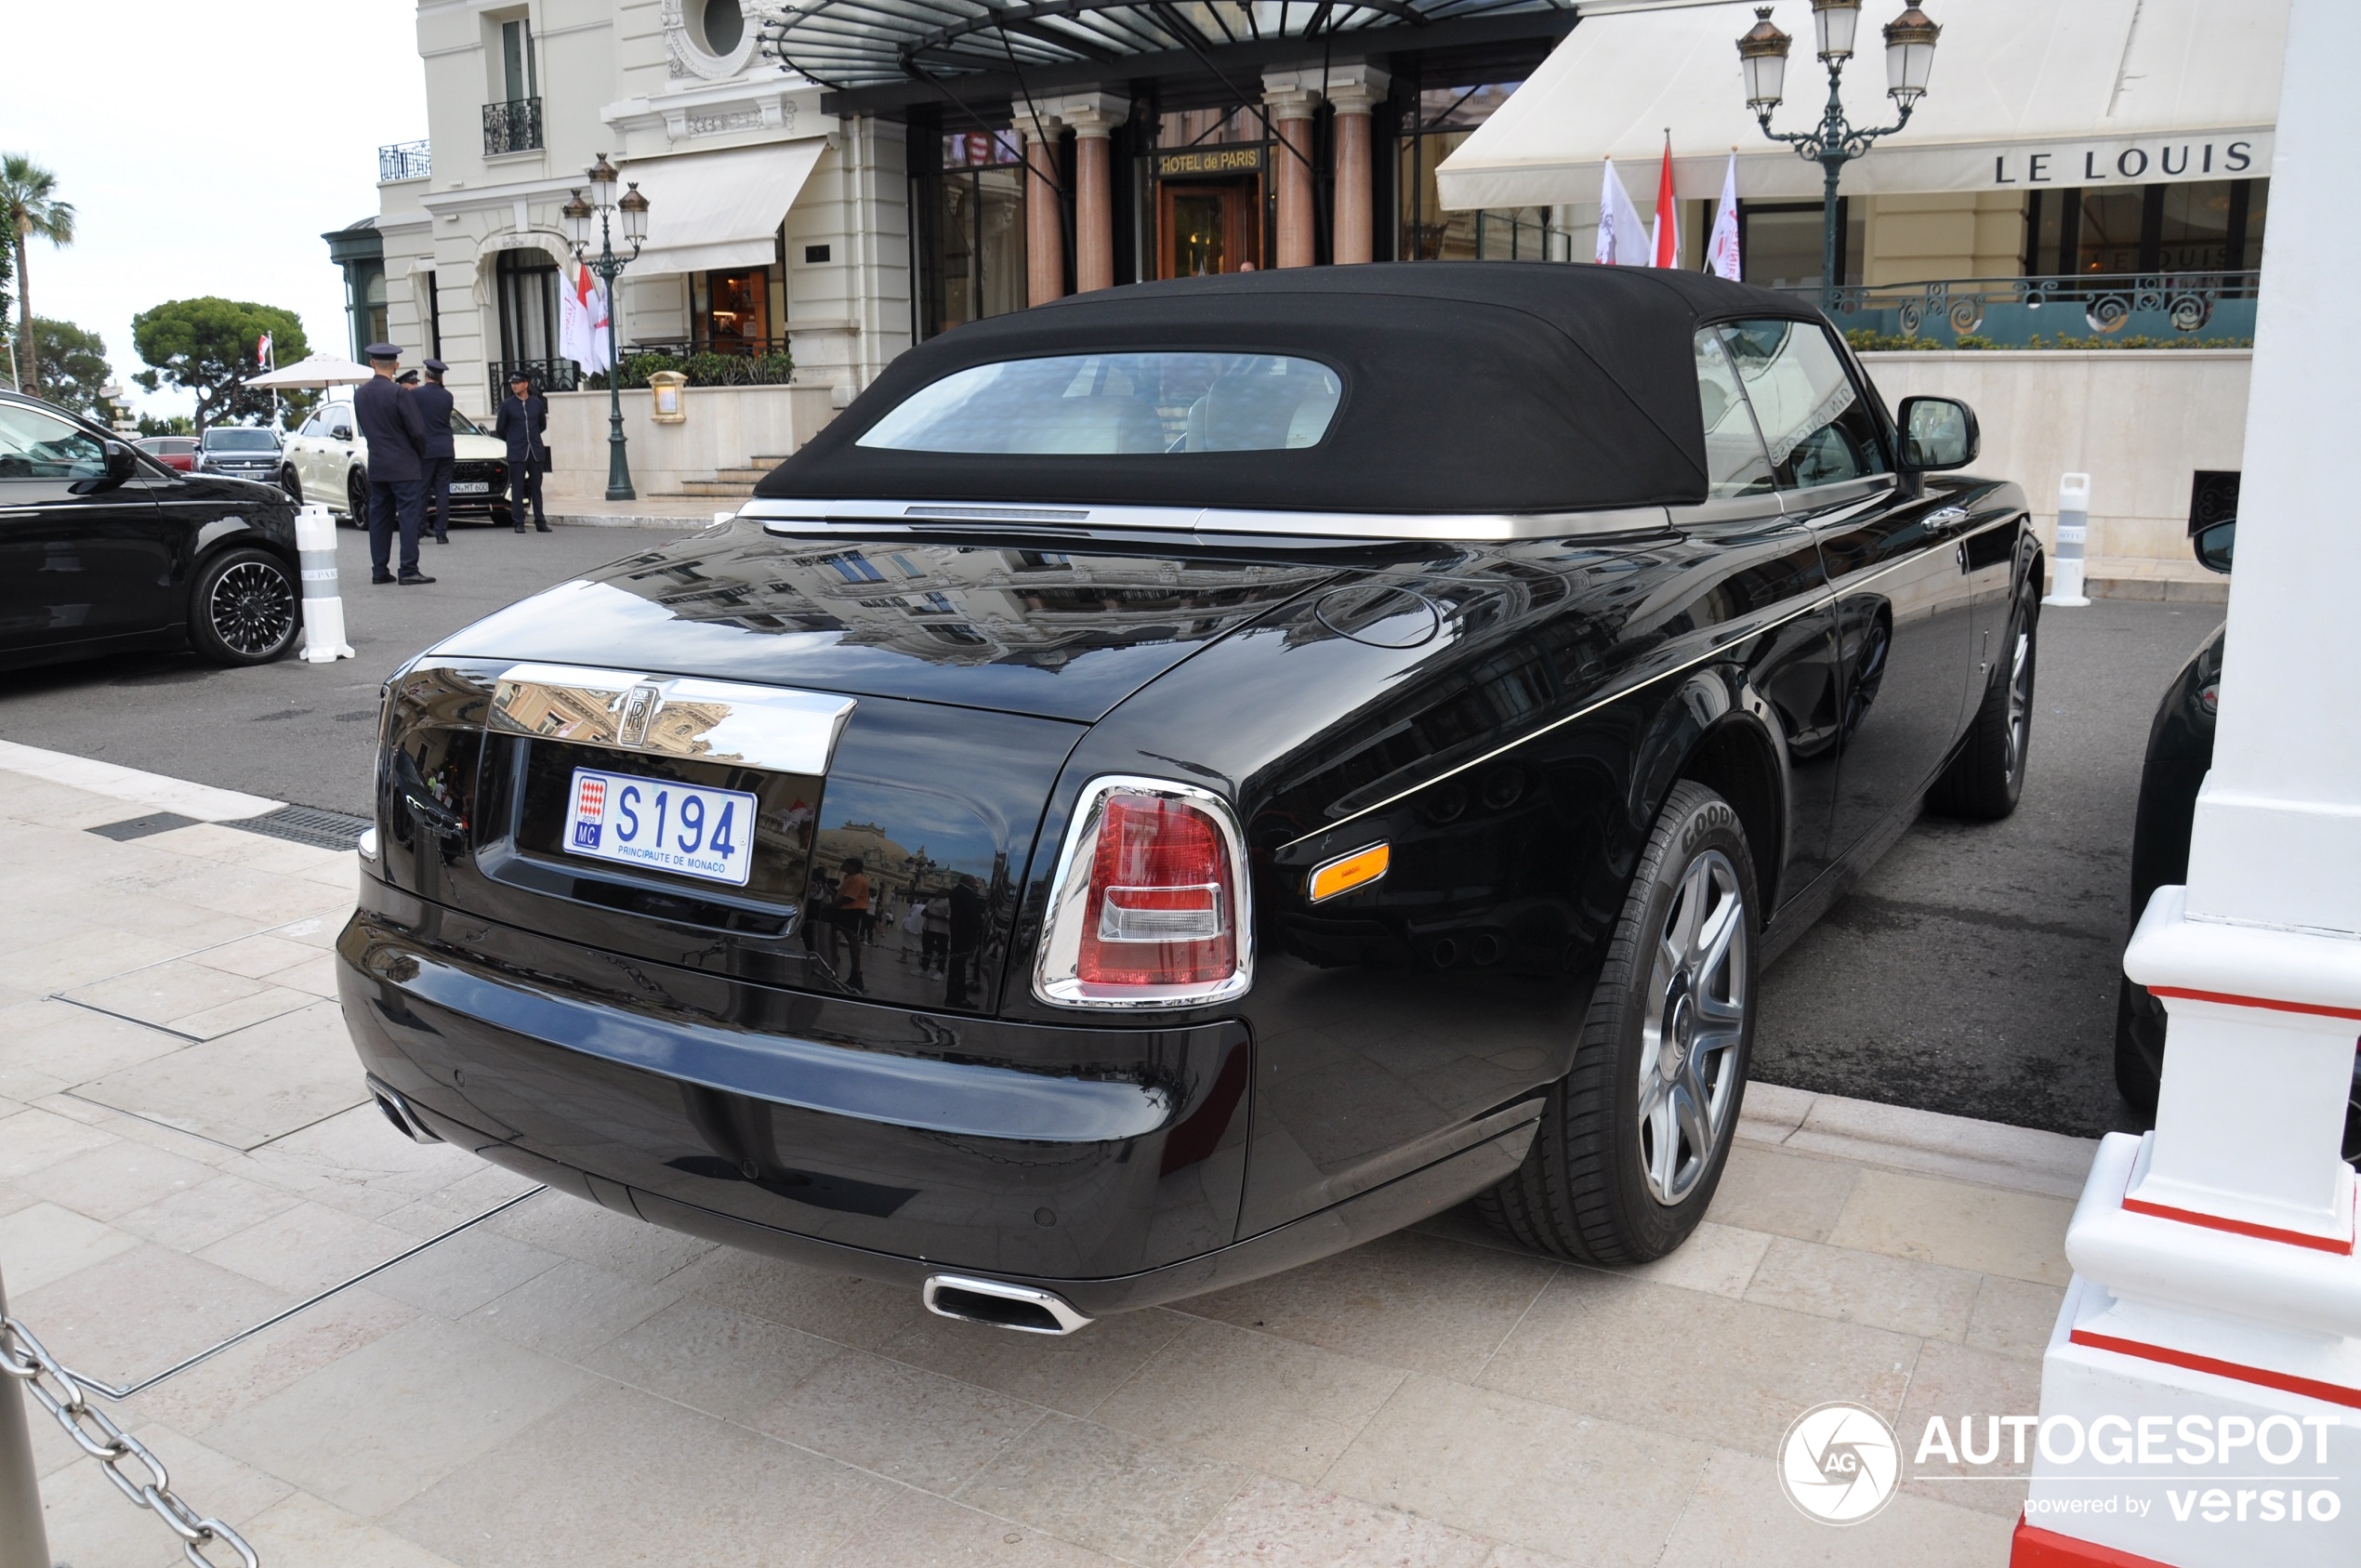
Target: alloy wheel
(1696, 1019)
(251, 607)
(2020, 699)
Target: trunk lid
(1051, 627)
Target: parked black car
(2180, 752)
(1174, 784)
(102, 547)
(244, 451)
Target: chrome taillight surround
(1057, 963)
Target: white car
(330, 465)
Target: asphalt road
(1972, 971)
(292, 731)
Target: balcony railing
(548, 375)
(404, 159)
(2088, 310)
(513, 126)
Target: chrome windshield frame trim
(777, 729)
(1472, 527)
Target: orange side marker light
(1345, 873)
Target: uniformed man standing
(391, 423)
(524, 415)
(434, 405)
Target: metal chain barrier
(60, 1392)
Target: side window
(315, 426)
(37, 446)
(1734, 461)
(1818, 428)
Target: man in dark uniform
(434, 407)
(524, 415)
(397, 437)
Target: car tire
(356, 499)
(1985, 780)
(245, 608)
(1633, 1139)
(2135, 1076)
(292, 485)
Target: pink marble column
(1045, 245)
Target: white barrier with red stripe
(2217, 1288)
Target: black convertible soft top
(1469, 387)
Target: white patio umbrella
(320, 370)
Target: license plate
(661, 824)
(470, 487)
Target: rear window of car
(240, 441)
(1130, 404)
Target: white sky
(205, 147)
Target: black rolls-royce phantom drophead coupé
(1176, 782)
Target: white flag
(1722, 251)
(1624, 240)
(582, 321)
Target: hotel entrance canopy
(1018, 46)
(2024, 94)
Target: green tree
(73, 364)
(170, 424)
(30, 208)
(205, 345)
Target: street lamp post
(1909, 56)
(632, 212)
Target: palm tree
(29, 206)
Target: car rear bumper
(842, 1140)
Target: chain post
(24, 1537)
(66, 1395)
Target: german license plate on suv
(471, 487)
(661, 823)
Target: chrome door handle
(1944, 519)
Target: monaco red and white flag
(1667, 248)
(1722, 251)
(262, 351)
(1623, 239)
(582, 321)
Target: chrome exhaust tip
(397, 1110)
(1020, 1307)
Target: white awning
(719, 209)
(2024, 94)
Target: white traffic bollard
(2073, 532)
(323, 605)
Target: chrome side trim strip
(768, 727)
(1477, 527)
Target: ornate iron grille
(2011, 312)
(513, 126)
(548, 375)
(405, 159)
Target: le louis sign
(2242, 155)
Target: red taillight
(1161, 902)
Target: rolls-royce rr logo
(1839, 1462)
(638, 709)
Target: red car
(173, 451)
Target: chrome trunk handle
(768, 727)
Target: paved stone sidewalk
(184, 1150)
